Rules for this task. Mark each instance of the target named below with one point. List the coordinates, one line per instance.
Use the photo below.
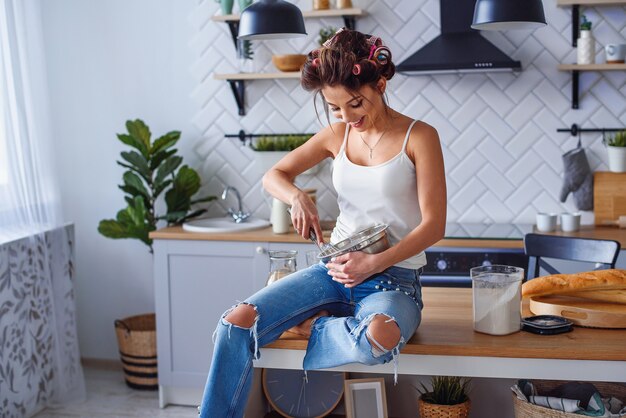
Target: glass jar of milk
(282, 263)
(497, 299)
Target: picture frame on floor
(365, 398)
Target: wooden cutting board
(581, 312)
(609, 196)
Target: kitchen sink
(224, 224)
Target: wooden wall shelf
(575, 68)
(237, 80)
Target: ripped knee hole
(384, 331)
(242, 315)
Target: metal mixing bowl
(370, 240)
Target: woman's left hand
(351, 269)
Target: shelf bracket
(575, 24)
(238, 88)
(349, 22)
(233, 25)
(575, 80)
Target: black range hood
(459, 48)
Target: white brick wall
(498, 130)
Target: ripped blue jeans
(335, 340)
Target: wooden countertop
(266, 235)
(447, 330)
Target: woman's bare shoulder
(423, 140)
(332, 136)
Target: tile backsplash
(498, 130)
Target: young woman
(387, 169)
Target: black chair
(602, 252)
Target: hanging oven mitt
(578, 179)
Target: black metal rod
(575, 129)
(575, 24)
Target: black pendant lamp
(271, 19)
(508, 14)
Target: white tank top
(385, 193)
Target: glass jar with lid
(282, 263)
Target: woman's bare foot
(304, 327)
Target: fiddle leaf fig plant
(153, 168)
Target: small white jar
(570, 222)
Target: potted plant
(616, 148)
(269, 149)
(446, 398)
(153, 170)
(586, 44)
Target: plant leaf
(167, 168)
(138, 161)
(159, 157)
(132, 181)
(166, 141)
(133, 142)
(140, 131)
(203, 199)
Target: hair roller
(382, 55)
(356, 69)
(315, 62)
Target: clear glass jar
(282, 263)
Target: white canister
(586, 50)
(617, 159)
(280, 218)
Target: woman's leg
(382, 323)
(259, 320)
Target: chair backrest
(602, 252)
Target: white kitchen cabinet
(195, 282)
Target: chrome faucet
(239, 215)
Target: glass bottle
(282, 263)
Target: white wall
(109, 61)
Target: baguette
(612, 296)
(578, 282)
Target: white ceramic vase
(617, 159)
(586, 50)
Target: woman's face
(360, 109)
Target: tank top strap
(345, 139)
(408, 133)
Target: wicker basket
(430, 410)
(136, 338)
(525, 409)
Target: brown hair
(347, 60)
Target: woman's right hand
(304, 216)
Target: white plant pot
(586, 49)
(617, 159)
(267, 159)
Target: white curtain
(28, 192)
(39, 357)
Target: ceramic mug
(570, 222)
(615, 53)
(546, 222)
